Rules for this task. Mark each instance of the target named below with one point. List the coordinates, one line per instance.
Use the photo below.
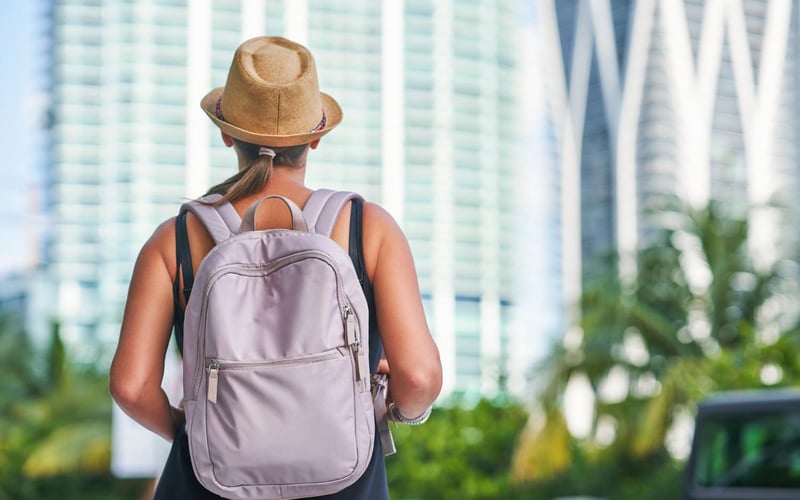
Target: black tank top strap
(183, 260)
(356, 250)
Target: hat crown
(272, 89)
(274, 64)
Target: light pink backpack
(276, 357)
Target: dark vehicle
(746, 446)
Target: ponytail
(252, 178)
(245, 182)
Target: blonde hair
(258, 171)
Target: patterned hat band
(320, 125)
(218, 109)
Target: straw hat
(272, 96)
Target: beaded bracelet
(397, 415)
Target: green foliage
(462, 452)
(547, 431)
(55, 425)
(603, 477)
(705, 319)
(83, 486)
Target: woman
(271, 113)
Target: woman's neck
(288, 175)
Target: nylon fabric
(220, 222)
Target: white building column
(198, 83)
(254, 18)
(297, 21)
(765, 222)
(393, 112)
(444, 305)
(491, 326)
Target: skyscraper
(688, 97)
(428, 91)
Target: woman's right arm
(412, 355)
(138, 365)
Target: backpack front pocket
(290, 434)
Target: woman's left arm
(138, 365)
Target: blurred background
(601, 197)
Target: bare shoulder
(378, 222)
(384, 241)
(163, 235)
(160, 245)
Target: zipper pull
(356, 349)
(213, 376)
(349, 325)
(362, 365)
(362, 362)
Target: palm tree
(698, 317)
(72, 419)
(55, 418)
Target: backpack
(275, 356)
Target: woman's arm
(412, 355)
(138, 365)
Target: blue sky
(22, 65)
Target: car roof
(752, 399)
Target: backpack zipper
(214, 366)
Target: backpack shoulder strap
(324, 207)
(313, 206)
(220, 221)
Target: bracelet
(397, 415)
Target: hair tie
(265, 151)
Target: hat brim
(333, 116)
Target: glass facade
(657, 142)
(727, 148)
(117, 156)
(682, 98)
(129, 144)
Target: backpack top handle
(249, 217)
